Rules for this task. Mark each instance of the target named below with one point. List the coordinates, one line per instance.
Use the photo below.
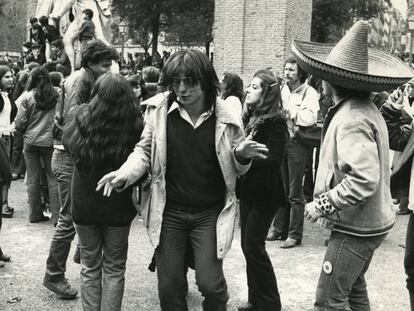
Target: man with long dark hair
(97, 59)
(195, 147)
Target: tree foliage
(182, 21)
(331, 17)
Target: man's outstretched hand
(115, 180)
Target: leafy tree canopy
(182, 21)
(330, 17)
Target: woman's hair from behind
(56, 78)
(45, 95)
(232, 85)
(3, 70)
(109, 127)
(21, 84)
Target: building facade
(256, 34)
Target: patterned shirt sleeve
(324, 206)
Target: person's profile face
(253, 92)
(410, 90)
(54, 49)
(101, 67)
(291, 73)
(137, 91)
(326, 89)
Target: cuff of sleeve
(324, 206)
(239, 159)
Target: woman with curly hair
(100, 137)
(34, 121)
(261, 188)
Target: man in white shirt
(301, 103)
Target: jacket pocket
(145, 204)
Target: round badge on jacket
(327, 267)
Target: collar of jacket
(223, 111)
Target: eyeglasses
(188, 81)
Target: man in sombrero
(352, 188)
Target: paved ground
(297, 270)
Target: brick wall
(254, 34)
(13, 21)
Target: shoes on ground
(5, 258)
(76, 256)
(7, 211)
(403, 211)
(273, 236)
(41, 219)
(247, 307)
(62, 289)
(2, 264)
(17, 176)
(290, 243)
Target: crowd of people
(190, 152)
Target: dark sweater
(87, 30)
(90, 207)
(263, 182)
(193, 173)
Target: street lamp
(410, 22)
(122, 26)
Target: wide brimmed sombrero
(351, 64)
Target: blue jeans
(180, 229)
(297, 158)
(342, 283)
(103, 252)
(33, 156)
(409, 258)
(62, 168)
(261, 279)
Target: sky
(400, 5)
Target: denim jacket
(150, 153)
(354, 170)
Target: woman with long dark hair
(232, 90)
(8, 112)
(261, 188)
(100, 137)
(35, 121)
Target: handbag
(310, 135)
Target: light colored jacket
(151, 152)
(354, 170)
(36, 125)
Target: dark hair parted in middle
(108, 129)
(96, 50)
(194, 64)
(45, 94)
